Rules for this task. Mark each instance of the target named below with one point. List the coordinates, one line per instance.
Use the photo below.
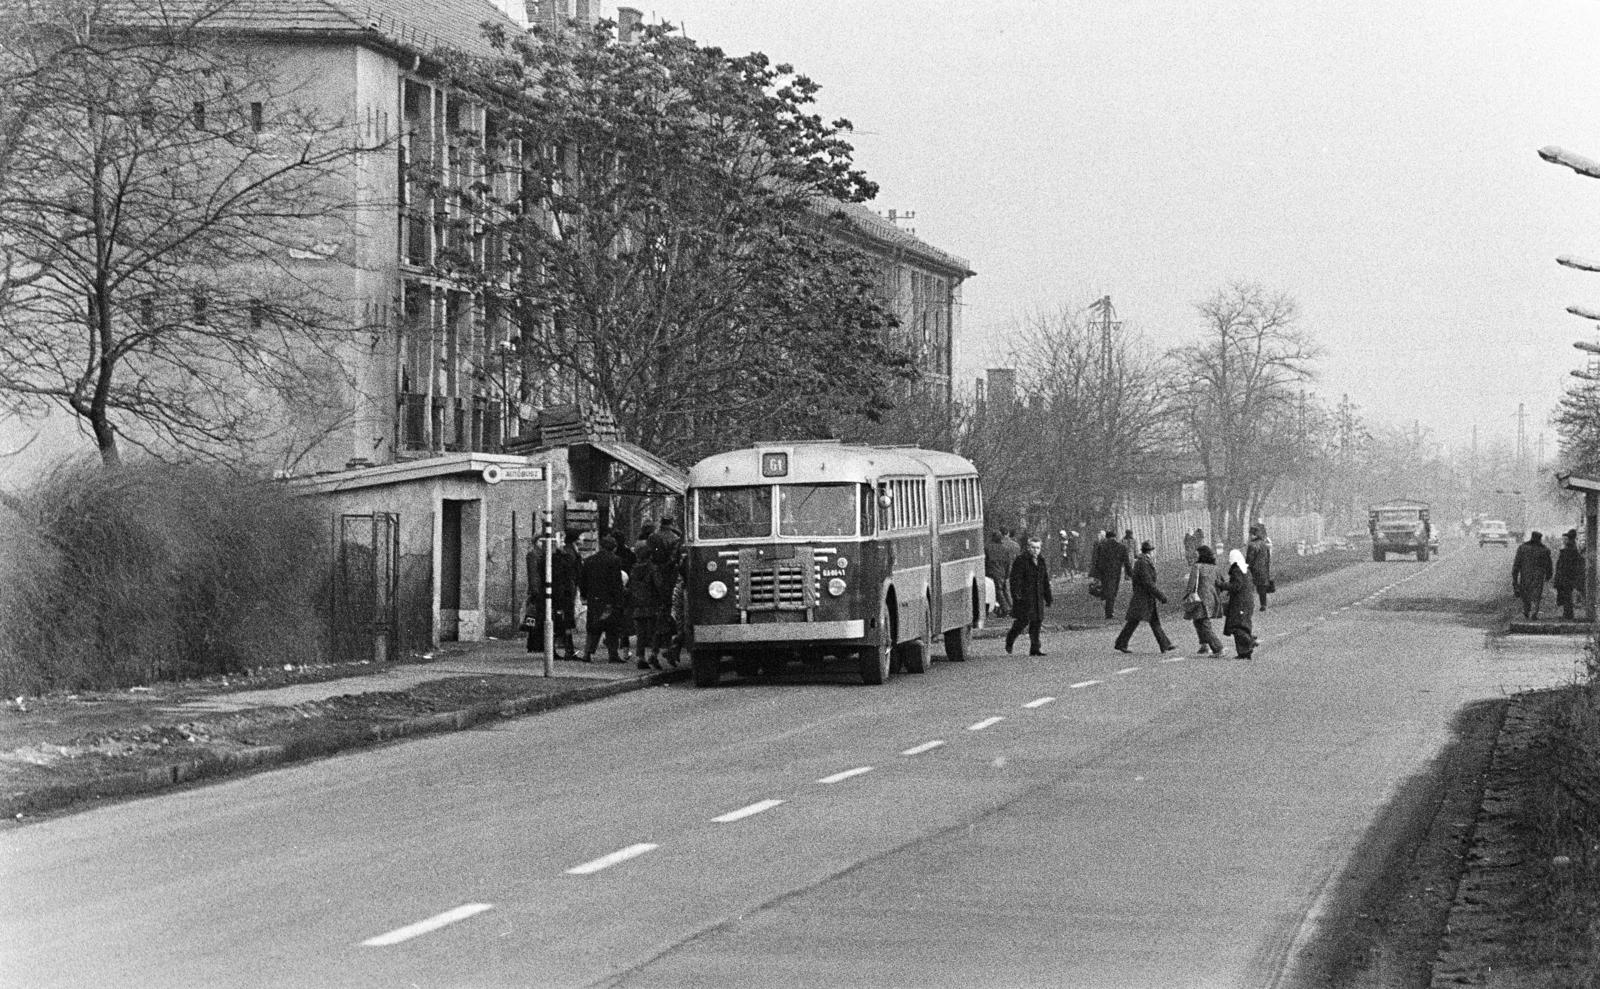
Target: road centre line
(607, 861)
(744, 812)
(1175, 659)
(840, 777)
(986, 722)
(1086, 683)
(924, 747)
(1041, 702)
(1125, 672)
(421, 927)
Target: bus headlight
(836, 586)
(717, 589)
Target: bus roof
(813, 462)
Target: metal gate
(365, 609)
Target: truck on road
(1401, 526)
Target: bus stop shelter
(1591, 515)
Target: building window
(202, 308)
(198, 116)
(257, 118)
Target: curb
(214, 765)
(1548, 628)
(1469, 948)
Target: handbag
(1096, 589)
(530, 619)
(1193, 608)
(1272, 586)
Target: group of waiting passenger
(632, 595)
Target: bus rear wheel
(707, 664)
(876, 660)
(956, 642)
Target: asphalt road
(1086, 819)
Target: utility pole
(1522, 438)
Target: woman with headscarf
(1239, 612)
(1200, 601)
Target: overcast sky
(1374, 160)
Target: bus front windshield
(734, 513)
(817, 509)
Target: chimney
(1002, 386)
(629, 24)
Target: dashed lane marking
(1041, 702)
(1083, 684)
(924, 747)
(847, 774)
(986, 722)
(1126, 671)
(1176, 659)
(607, 861)
(424, 926)
(744, 812)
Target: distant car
(1493, 531)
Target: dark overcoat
(1530, 569)
(1569, 569)
(1030, 587)
(563, 573)
(601, 583)
(1239, 610)
(1142, 605)
(1258, 557)
(1110, 563)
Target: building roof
(870, 226)
(415, 26)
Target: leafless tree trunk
(1234, 391)
(171, 220)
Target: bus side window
(868, 516)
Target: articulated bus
(808, 550)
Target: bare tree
(1234, 391)
(1100, 419)
(171, 220)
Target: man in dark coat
(1110, 562)
(1258, 557)
(1529, 571)
(1569, 572)
(1142, 604)
(603, 585)
(1030, 595)
(564, 578)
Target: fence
(1166, 531)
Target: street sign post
(497, 474)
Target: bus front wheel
(876, 660)
(707, 664)
(956, 642)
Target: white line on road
(607, 861)
(744, 812)
(1041, 702)
(1125, 672)
(1175, 659)
(986, 722)
(924, 747)
(1086, 683)
(424, 926)
(839, 777)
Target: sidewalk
(492, 657)
(66, 752)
